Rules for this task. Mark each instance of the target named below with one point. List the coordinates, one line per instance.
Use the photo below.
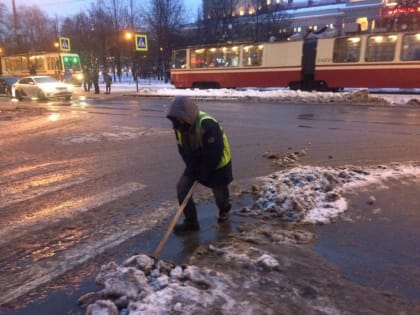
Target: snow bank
(143, 285)
(350, 96)
(312, 194)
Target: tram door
(308, 62)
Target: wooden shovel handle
(174, 221)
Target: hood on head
(182, 107)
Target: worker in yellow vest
(204, 147)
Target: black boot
(224, 213)
(223, 216)
(186, 226)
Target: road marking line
(38, 186)
(65, 210)
(41, 273)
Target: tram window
(252, 55)
(25, 63)
(229, 56)
(197, 58)
(346, 49)
(223, 57)
(179, 59)
(381, 48)
(14, 64)
(71, 62)
(410, 49)
(37, 62)
(215, 57)
(52, 63)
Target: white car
(41, 87)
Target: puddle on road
(60, 296)
(379, 245)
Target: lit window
(346, 49)
(252, 55)
(380, 48)
(410, 49)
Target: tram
(43, 63)
(382, 60)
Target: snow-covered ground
(157, 87)
(297, 193)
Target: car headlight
(79, 76)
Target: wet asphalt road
(91, 178)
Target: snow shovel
(173, 222)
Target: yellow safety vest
(226, 156)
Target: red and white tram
(390, 60)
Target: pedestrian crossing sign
(141, 42)
(64, 43)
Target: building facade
(294, 17)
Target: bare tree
(133, 15)
(78, 28)
(35, 28)
(3, 24)
(257, 7)
(164, 19)
(117, 11)
(99, 33)
(276, 25)
(219, 22)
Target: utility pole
(15, 23)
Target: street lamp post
(58, 63)
(1, 54)
(129, 38)
(161, 69)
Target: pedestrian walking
(32, 69)
(108, 82)
(68, 76)
(95, 80)
(86, 78)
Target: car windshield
(45, 80)
(10, 80)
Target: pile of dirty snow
(317, 194)
(143, 285)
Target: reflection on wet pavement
(180, 247)
(378, 245)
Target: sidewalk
(125, 87)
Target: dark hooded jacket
(201, 149)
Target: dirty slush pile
(267, 268)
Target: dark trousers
(96, 86)
(220, 193)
